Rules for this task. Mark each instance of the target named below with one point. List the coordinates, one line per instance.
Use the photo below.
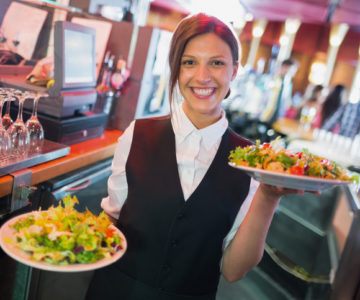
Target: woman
(332, 102)
(172, 191)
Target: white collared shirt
(195, 150)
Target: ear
(235, 70)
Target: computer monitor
(74, 56)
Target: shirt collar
(183, 127)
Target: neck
(201, 121)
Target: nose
(203, 74)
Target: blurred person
(345, 121)
(333, 101)
(279, 98)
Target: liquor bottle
(103, 66)
(105, 93)
(105, 83)
(119, 76)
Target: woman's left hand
(277, 192)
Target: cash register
(68, 114)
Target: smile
(203, 91)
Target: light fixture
(317, 72)
(337, 34)
(249, 17)
(259, 28)
(292, 26)
(284, 40)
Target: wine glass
(6, 119)
(4, 136)
(18, 132)
(33, 125)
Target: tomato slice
(296, 170)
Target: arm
(246, 249)
(117, 183)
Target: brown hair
(191, 27)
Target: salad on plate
(266, 156)
(63, 236)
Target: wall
(4, 4)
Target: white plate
(297, 182)
(10, 249)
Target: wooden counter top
(80, 155)
(292, 129)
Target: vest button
(173, 243)
(180, 216)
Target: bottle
(103, 66)
(119, 76)
(105, 84)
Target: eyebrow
(212, 57)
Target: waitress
(172, 192)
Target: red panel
(246, 33)
(272, 33)
(349, 49)
(309, 38)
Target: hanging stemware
(5, 143)
(18, 132)
(33, 125)
(6, 119)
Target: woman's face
(205, 73)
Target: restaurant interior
(312, 249)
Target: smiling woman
(203, 65)
(167, 171)
(206, 70)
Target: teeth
(203, 92)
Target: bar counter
(81, 154)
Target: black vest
(176, 245)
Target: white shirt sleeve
(117, 183)
(242, 212)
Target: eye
(188, 62)
(218, 63)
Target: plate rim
(307, 183)
(12, 251)
(292, 176)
